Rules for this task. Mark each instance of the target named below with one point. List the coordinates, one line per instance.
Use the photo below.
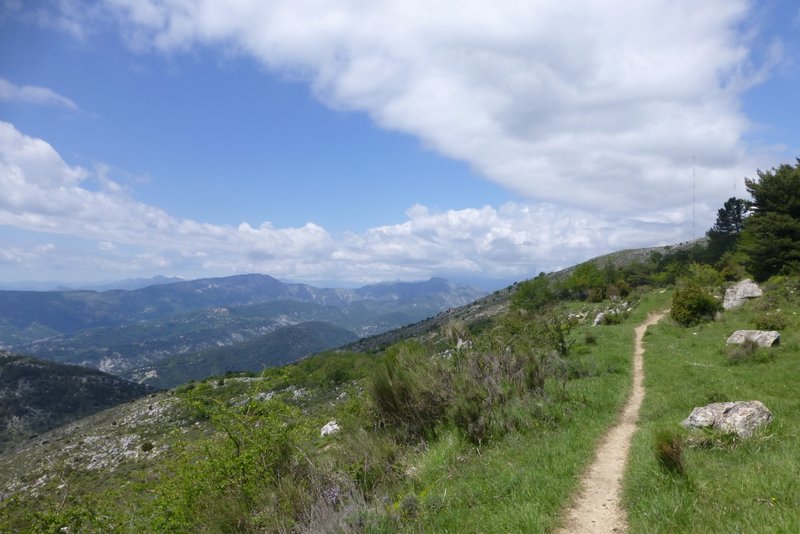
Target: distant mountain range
(128, 283)
(120, 331)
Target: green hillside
(282, 346)
(36, 395)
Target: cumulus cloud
(46, 194)
(597, 105)
(31, 94)
(593, 111)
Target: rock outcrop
(741, 417)
(738, 293)
(764, 338)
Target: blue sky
(389, 141)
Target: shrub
(704, 276)
(147, 446)
(731, 267)
(614, 317)
(411, 391)
(692, 305)
(669, 451)
(219, 482)
(478, 390)
(772, 321)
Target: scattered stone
(331, 428)
(764, 338)
(738, 293)
(599, 318)
(741, 417)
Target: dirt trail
(597, 507)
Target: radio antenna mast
(694, 196)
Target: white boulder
(332, 427)
(740, 292)
(764, 338)
(741, 417)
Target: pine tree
(771, 235)
(722, 237)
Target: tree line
(759, 237)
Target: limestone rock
(741, 417)
(740, 292)
(599, 319)
(764, 338)
(332, 427)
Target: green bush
(775, 320)
(219, 483)
(692, 305)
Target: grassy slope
(522, 483)
(730, 485)
(519, 483)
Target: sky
(352, 142)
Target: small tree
(587, 281)
(533, 294)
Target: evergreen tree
(723, 235)
(771, 235)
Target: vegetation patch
(731, 484)
(692, 304)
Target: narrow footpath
(597, 508)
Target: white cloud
(47, 195)
(592, 110)
(30, 94)
(597, 105)
(18, 255)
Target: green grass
(518, 481)
(730, 485)
(523, 482)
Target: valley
(128, 333)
